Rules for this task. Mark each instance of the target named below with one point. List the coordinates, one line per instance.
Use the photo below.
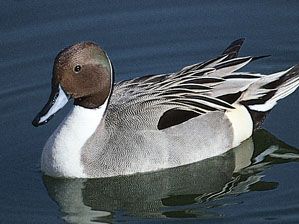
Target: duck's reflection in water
(175, 192)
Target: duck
(153, 122)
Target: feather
(210, 86)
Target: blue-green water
(255, 183)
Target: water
(255, 183)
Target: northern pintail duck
(156, 121)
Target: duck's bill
(57, 100)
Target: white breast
(62, 152)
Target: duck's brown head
(83, 72)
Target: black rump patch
(174, 117)
(258, 117)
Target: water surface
(255, 183)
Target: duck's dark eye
(77, 68)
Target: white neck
(62, 153)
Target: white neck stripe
(62, 153)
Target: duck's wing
(196, 70)
(229, 53)
(182, 94)
(205, 87)
(226, 63)
(192, 88)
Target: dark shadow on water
(181, 192)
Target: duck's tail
(262, 95)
